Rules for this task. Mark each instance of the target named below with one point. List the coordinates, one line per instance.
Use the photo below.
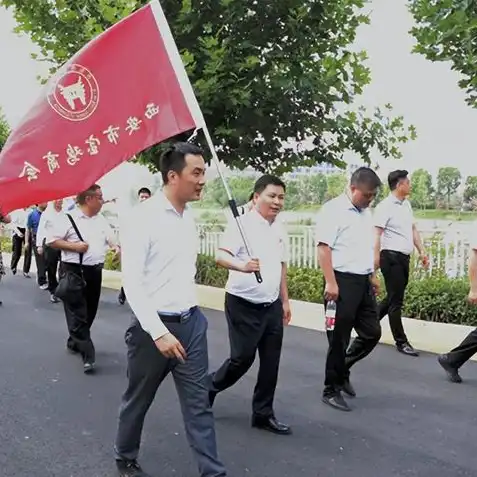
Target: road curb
(424, 335)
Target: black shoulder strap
(78, 233)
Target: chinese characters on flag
(123, 92)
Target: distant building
(324, 168)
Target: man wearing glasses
(83, 236)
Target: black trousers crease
(81, 311)
(355, 308)
(252, 328)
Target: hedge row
(435, 298)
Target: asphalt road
(57, 422)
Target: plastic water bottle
(330, 316)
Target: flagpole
(189, 95)
(231, 200)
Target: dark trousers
(122, 295)
(52, 259)
(40, 263)
(395, 270)
(251, 328)
(81, 311)
(17, 246)
(355, 308)
(147, 368)
(462, 353)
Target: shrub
(430, 298)
(440, 299)
(5, 244)
(433, 298)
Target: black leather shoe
(452, 373)
(271, 424)
(89, 367)
(130, 468)
(348, 389)
(407, 349)
(336, 401)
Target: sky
(425, 93)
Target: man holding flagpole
(168, 333)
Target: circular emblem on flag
(74, 93)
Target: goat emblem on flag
(75, 93)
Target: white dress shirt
(395, 217)
(47, 223)
(268, 243)
(96, 232)
(158, 255)
(19, 219)
(349, 232)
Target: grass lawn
(452, 215)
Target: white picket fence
(448, 251)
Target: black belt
(350, 274)
(177, 317)
(77, 266)
(256, 306)
(395, 253)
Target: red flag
(124, 91)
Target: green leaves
(422, 191)
(434, 298)
(470, 191)
(446, 31)
(266, 74)
(448, 181)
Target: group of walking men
(29, 228)
(168, 331)
(159, 272)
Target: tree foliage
(448, 181)
(422, 190)
(267, 74)
(470, 189)
(446, 30)
(4, 129)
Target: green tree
(4, 129)
(215, 195)
(470, 189)
(306, 190)
(448, 181)
(383, 192)
(336, 185)
(422, 191)
(446, 32)
(292, 200)
(318, 188)
(266, 73)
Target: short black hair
(395, 176)
(365, 176)
(173, 158)
(251, 196)
(266, 180)
(89, 192)
(144, 190)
